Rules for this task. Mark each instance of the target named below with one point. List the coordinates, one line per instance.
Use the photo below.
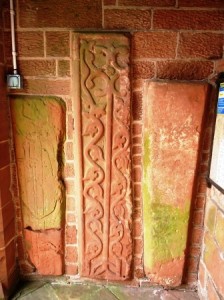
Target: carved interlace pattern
(105, 106)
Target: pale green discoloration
(165, 226)
(146, 198)
(167, 233)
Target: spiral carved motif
(105, 129)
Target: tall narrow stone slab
(172, 125)
(39, 132)
(102, 98)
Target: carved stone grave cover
(102, 115)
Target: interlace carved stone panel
(104, 123)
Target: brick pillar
(7, 213)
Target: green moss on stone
(165, 226)
(146, 197)
(167, 233)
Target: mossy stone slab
(173, 117)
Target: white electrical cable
(12, 16)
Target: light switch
(14, 81)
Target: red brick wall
(211, 268)
(171, 39)
(211, 264)
(7, 212)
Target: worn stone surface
(219, 197)
(45, 250)
(205, 45)
(85, 292)
(154, 3)
(46, 291)
(188, 19)
(26, 288)
(214, 262)
(129, 18)
(63, 68)
(201, 3)
(182, 295)
(66, 13)
(219, 230)
(212, 292)
(5, 182)
(30, 44)
(47, 87)
(39, 129)
(4, 116)
(7, 264)
(132, 293)
(37, 67)
(7, 211)
(154, 44)
(4, 154)
(184, 70)
(8, 233)
(91, 292)
(57, 43)
(210, 216)
(171, 137)
(216, 160)
(105, 239)
(144, 70)
(1, 292)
